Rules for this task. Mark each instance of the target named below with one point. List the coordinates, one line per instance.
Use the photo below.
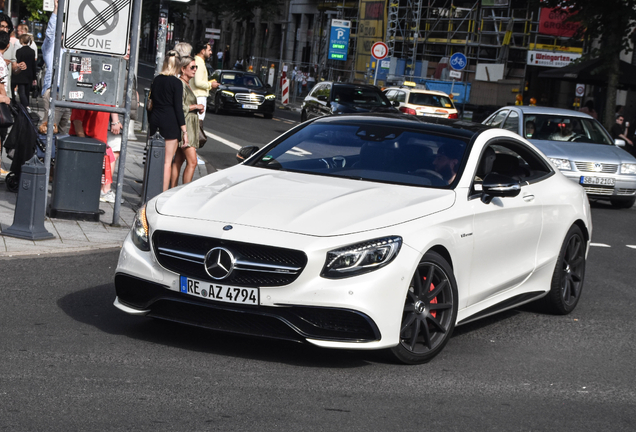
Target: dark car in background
(241, 92)
(328, 98)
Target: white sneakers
(108, 197)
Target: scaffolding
(432, 30)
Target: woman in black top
(24, 79)
(166, 115)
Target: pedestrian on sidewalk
(62, 115)
(166, 111)
(22, 29)
(25, 79)
(187, 149)
(116, 125)
(4, 44)
(200, 85)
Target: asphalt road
(72, 361)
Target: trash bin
(78, 178)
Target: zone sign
(99, 26)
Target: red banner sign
(552, 22)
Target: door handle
(528, 198)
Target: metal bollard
(144, 121)
(153, 169)
(28, 217)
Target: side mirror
(245, 153)
(322, 98)
(395, 103)
(497, 185)
(619, 142)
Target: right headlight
(140, 230)
(361, 258)
(562, 164)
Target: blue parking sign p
(339, 40)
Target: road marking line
(631, 246)
(223, 141)
(600, 245)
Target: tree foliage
(612, 23)
(32, 10)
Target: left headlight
(270, 97)
(562, 164)
(628, 168)
(140, 230)
(227, 93)
(361, 258)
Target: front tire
(430, 311)
(568, 276)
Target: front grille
(591, 167)
(623, 191)
(257, 265)
(595, 190)
(286, 322)
(249, 98)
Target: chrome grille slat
(249, 98)
(623, 191)
(589, 167)
(598, 190)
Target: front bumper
(362, 312)
(231, 105)
(624, 187)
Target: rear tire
(623, 203)
(569, 274)
(430, 311)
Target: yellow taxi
(416, 100)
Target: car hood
(240, 89)
(300, 203)
(583, 151)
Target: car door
(507, 230)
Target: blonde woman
(166, 114)
(187, 151)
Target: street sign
(458, 61)
(455, 74)
(99, 26)
(379, 50)
(212, 36)
(339, 39)
(212, 30)
(580, 90)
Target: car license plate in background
(224, 293)
(601, 181)
(247, 106)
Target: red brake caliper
(434, 301)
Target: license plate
(247, 106)
(601, 181)
(222, 293)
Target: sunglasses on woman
(195, 67)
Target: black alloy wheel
(569, 274)
(430, 311)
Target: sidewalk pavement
(76, 236)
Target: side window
(512, 122)
(327, 91)
(401, 96)
(390, 95)
(216, 76)
(499, 118)
(515, 159)
(316, 90)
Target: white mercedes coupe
(362, 232)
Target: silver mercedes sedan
(579, 146)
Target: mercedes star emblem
(219, 263)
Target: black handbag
(6, 116)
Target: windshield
(565, 128)
(240, 80)
(430, 100)
(368, 152)
(359, 96)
